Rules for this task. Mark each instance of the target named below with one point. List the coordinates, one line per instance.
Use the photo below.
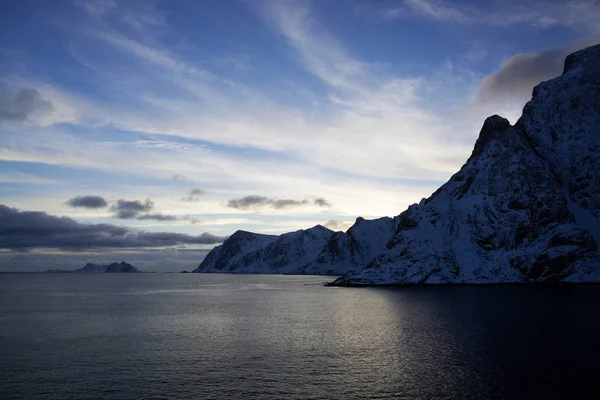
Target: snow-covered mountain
(525, 208)
(224, 258)
(526, 205)
(348, 251)
(251, 253)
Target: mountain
(120, 267)
(251, 253)
(89, 267)
(223, 258)
(94, 268)
(347, 251)
(525, 208)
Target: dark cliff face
(525, 206)
(349, 251)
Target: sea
(205, 336)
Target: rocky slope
(348, 251)
(525, 207)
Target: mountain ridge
(524, 208)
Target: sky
(149, 131)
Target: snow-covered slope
(348, 251)
(289, 254)
(252, 253)
(526, 205)
(317, 250)
(224, 258)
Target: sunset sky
(170, 119)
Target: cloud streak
(253, 202)
(92, 202)
(578, 14)
(23, 230)
(157, 217)
(193, 195)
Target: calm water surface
(195, 336)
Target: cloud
(87, 202)
(436, 10)
(22, 104)
(249, 202)
(22, 177)
(125, 209)
(191, 219)
(577, 14)
(23, 230)
(157, 217)
(337, 225)
(193, 195)
(321, 202)
(519, 74)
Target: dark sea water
(194, 336)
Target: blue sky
(309, 112)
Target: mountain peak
(582, 58)
(492, 126)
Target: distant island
(115, 267)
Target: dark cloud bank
(260, 201)
(519, 74)
(23, 230)
(87, 202)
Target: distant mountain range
(115, 267)
(524, 208)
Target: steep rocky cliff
(524, 208)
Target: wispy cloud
(193, 195)
(25, 178)
(254, 202)
(579, 14)
(157, 217)
(337, 225)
